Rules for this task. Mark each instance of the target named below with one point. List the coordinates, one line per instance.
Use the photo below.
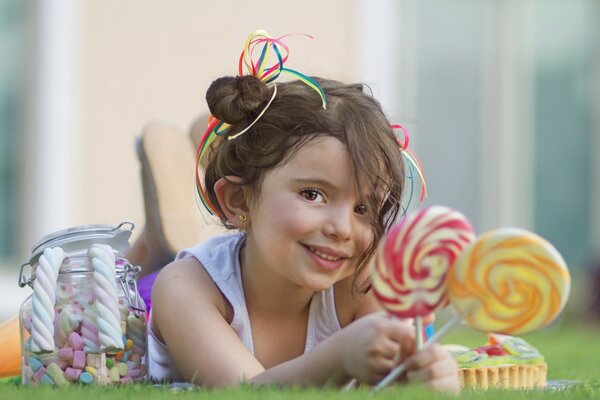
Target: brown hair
(295, 117)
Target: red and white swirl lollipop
(410, 267)
(411, 264)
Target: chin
(320, 285)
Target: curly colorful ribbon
(268, 75)
(413, 164)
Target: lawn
(572, 350)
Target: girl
(285, 299)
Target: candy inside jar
(85, 321)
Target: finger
(390, 350)
(400, 332)
(439, 369)
(406, 348)
(380, 370)
(384, 348)
(448, 384)
(427, 356)
(383, 367)
(401, 335)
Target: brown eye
(311, 194)
(361, 209)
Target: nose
(339, 223)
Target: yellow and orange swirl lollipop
(509, 281)
(410, 267)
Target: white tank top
(220, 256)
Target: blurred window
(11, 90)
(507, 100)
(566, 60)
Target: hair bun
(231, 99)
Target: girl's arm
(191, 316)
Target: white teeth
(325, 256)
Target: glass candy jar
(85, 321)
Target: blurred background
(501, 99)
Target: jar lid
(82, 237)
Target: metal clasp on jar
(129, 284)
(22, 279)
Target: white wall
(105, 68)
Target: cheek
(296, 222)
(289, 217)
(365, 237)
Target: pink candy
(79, 359)
(65, 354)
(72, 374)
(76, 341)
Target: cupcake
(504, 362)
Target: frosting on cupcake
(500, 350)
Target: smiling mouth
(324, 256)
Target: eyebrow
(314, 181)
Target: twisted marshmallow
(44, 298)
(89, 332)
(107, 301)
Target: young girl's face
(309, 225)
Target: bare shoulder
(351, 304)
(183, 285)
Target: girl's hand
(371, 346)
(435, 368)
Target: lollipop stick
(443, 331)
(418, 333)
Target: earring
(242, 217)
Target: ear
(233, 201)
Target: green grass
(571, 349)
(139, 392)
